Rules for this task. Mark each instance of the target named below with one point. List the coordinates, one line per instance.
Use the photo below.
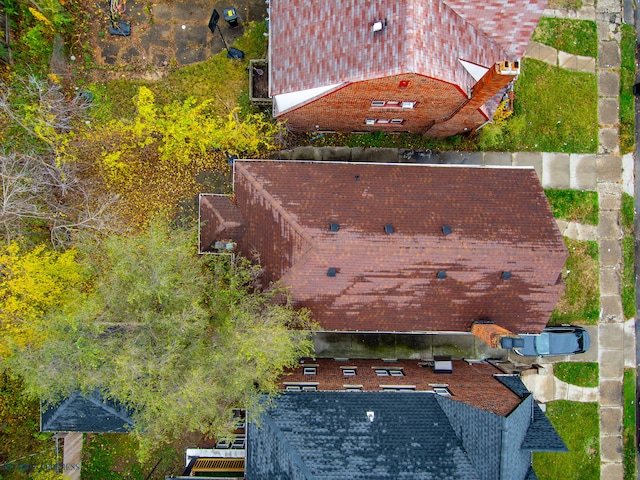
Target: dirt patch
(164, 35)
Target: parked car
(556, 340)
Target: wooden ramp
(72, 457)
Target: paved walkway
(547, 387)
(578, 231)
(72, 454)
(558, 58)
(164, 34)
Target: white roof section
(475, 70)
(287, 101)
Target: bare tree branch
(45, 184)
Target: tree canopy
(33, 283)
(179, 339)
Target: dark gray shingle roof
(91, 413)
(541, 436)
(327, 435)
(513, 383)
(480, 433)
(417, 435)
(531, 475)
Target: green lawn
(556, 111)
(582, 374)
(580, 302)
(629, 425)
(627, 79)
(574, 205)
(628, 250)
(579, 426)
(579, 37)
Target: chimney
(492, 82)
(496, 79)
(494, 335)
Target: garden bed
(259, 83)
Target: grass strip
(629, 425)
(579, 37)
(582, 374)
(627, 79)
(565, 4)
(628, 257)
(580, 302)
(574, 205)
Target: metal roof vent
(446, 229)
(331, 272)
(334, 227)
(379, 25)
(356, 177)
(441, 274)
(505, 275)
(371, 415)
(388, 228)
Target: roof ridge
(271, 200)
(295, 454)
(100, 401)
(57, 410)
(468, 18)
(495, 40)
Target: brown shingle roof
(220, 220)
(329, 42)
(473, 384)
(499, 218)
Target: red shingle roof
(330, 42)
(499, 218)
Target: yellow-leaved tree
(183, 131)
(152, 161)
(33, 283)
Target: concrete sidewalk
(577, 231)
(613, 340)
